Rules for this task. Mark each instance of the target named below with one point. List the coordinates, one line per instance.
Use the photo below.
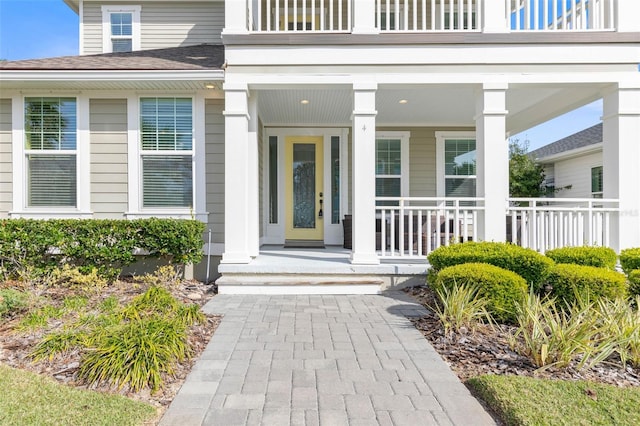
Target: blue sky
(47, 28)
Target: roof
(199, 57)
(584, 138)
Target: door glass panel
(304, 185)
(335, 179)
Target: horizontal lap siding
(214, 149)
(108, 128)
(577, 173)
(162, 24)
(5, 158)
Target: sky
(48, 28)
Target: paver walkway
(321, 360)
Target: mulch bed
(16, 346)
(486, 350)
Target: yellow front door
(303, 188)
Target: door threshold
(318, 244)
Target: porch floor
(279, 270)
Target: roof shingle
(590, 136)
(189, 58)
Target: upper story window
(50, 152)
(120, 28)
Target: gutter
(109, 75)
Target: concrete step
(251, 283)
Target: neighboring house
(573, 165)
(270, 120)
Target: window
(166, 133)
(596, 182)
(456, 164)
(392, 165)
(50, 150)
(120, 28)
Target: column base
(364, 259)
(242, 258)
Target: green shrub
(530, 265)
(600, 257)
(31, 248)
(630, 259)
(74, 279)
(590, 282)
(634, 282)
(12, 302)
(502, 288)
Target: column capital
(365, 86)
(235, 87)
(495, 86)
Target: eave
(566, 155)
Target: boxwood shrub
(634, 282)
(529, 264)
(590, 282)
(600, 257)
(29, 246)
(630, 259)
(501, 287)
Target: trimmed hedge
(600, 257)
(634, 282)
(29, 246)
(566, 280)
(529, 264)
(502, 288)
(630, 259)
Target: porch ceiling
(434, 105)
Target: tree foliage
(526, 177)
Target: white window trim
(83, 163)
(596, 194)
(404, 137)
(134, 169)
(107, 47)
(440, 139)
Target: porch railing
(300, 15)
(412, 227)
(550, 15)
(428, 15)
(546, 223)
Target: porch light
(403, 101)
(304, 101)
(210, 86)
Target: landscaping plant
(567, 281)
(529, 264)
(630, 259)
(460, 307)
(634, 282)
(600, 257)
(501, 288)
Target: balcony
(427, 16)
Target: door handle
(320, 214)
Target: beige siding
(214, 151)
(576, 172)
(108, 129)
(172, 24)
(5, 158)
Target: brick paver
(321, 360)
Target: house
(270, 120)
(573, 165)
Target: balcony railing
(402, 16)
(300, 15)
(412, 227)
(546, 223)
(550, 15)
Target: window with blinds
(388, 169)
(121, 32)
(50, 150)
(460, 167)
(166, 134)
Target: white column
(621, 160)
(364, 17)
(254, 179)
(236, 171)
(494, 17)
(235, 17)
(364, 176)
(492, 160)
(627, 16)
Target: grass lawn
(29, 399)
(528, 401)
